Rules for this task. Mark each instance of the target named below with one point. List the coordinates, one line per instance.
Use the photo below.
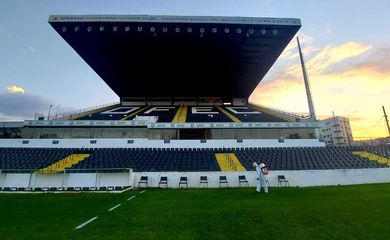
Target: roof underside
(171, 56)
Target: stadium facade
(183, 84)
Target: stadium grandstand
(183, 84)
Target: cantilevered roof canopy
(178, 56)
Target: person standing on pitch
(261, 170)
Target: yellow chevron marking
(229, 162)
(373, 157)
(181, 115)
(134, 113)
(66, 162)
(228, 114)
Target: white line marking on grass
(142, 192)
(83, 224)
(109, 210)
(130, 198)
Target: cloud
(328, 29)
(18, 107)
(351, 79)
(15, 89)
(331, 55)
(22, 105)
(291, 51)
(4, 31)
(32, 49)
(376, 59)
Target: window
(93, 142)
(55, 142)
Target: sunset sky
(346, 46)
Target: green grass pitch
(338, 212)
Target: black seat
(203, 180)
(242, 179)
(282, 180)
(144, 180)
(163, 181)
(223, 180)
(183, 181)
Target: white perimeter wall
(302, 178)
(66, 180)
(145, 143)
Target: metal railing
(69, 115)
(283, 113)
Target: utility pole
(307, 86)
(387, 121)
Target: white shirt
(259, 172)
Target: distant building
(337, 131)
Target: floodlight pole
(307, 86)
(48, 114)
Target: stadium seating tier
(196, 159)
(193, 114)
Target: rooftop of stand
(174, 56)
